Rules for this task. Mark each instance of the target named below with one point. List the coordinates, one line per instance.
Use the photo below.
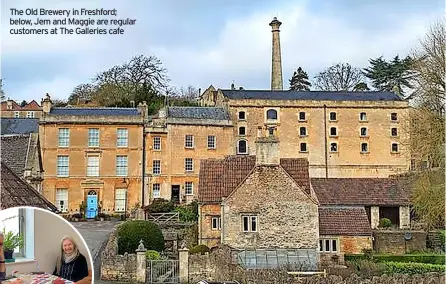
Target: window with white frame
(216, 223)
(120, 199)
(64, 137)
(302, 131)
(189, 141)
(189, 165)
(121, 166)
(30, 114)
(17, 114)
(156, 190)
(63, 166)
(189, 188)
(242, 147)
(303, 147)
(92, 166)
(271, 114)
(394, 147)
(212, 142)
(156, 167)
(249, 223)
(122, 139)
(394, 116)
(328, 245)
(363, 131)
(242, 131)
(394, 131)
(364, 147)
(302, 116)
(62, 199)
(13, 220)
(333, 116)
(333, 147)
(333, 131)
(241, 115)
(363, 116)
(156, 143)
(93, 137)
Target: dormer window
(271, 114)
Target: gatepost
(141, 266)
(184, 265)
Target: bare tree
(339, 77)
(429, 66)
(82, 92)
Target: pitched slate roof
(344, 221)
(361, 191)
(216, 113)
(19, 125)
(310, 95)
(14, 152)
(218, 178)
(94, 111)
(14, 191)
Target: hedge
(418, 258)
(413, 268)
(199, 249)
(131, 232)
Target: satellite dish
(408, 236)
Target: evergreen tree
(299, 81)
(390, 76)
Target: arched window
(242, 147)
(271, 114)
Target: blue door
(92, 204)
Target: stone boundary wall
(393, 241)
(116, 267)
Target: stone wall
(393, 241)
(116, 267)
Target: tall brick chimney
(47, 104)
(267, 147)
(276, 68)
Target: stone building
(21, 153)
(177, 139)
(11, 109)
(289, 209)
(93, 156)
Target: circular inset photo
(38, 246)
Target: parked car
(214, 282)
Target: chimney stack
(267, 148)
(276, 68)
(47, 104)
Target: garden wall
(393, 242)
(116, 267)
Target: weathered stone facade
(209, 236)
(393, 242)
(291, 221)
(355, 244)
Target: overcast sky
(211, 42)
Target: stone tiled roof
(344, 221)
(361, 191)
(19, 125)
(216, 113)
(14, 191)
(310, 95)
(94, 111)
(14, 152)
(218, 178)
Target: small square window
(364, 147)
(16, 114)
(333, 147)
(303, 131)
(30, 114)
(394, 147)
(241, 115)
(242, 131)
(302, 116)
(249, 223)
(363, 116)
(394, 131)
(333, 116)
(333, 131)
(394, 116)
(303, 147)
(363, 131)
(216, 223)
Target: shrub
(131, 232)
(200, 249)
(413, 268)
(442, 234)
(385, 223)
(186, 213)
(367, 268)
(153, 255)
(160, 205)
(418, 258)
